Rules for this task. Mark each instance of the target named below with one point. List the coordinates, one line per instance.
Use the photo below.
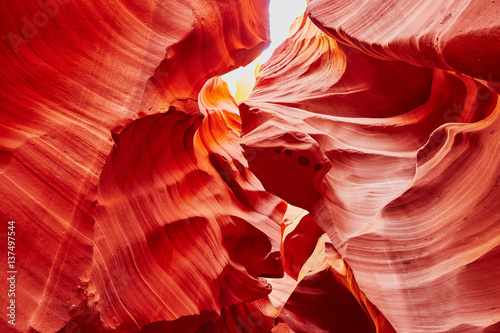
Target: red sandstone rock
(408, 195)
(206, 229)
(450, 34)
(326, 297)
(144, 203)
(85, 73)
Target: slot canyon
(352, 189)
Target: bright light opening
(282, 14)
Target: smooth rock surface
(355, 190)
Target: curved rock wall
(355, 190)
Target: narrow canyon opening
(282, 14)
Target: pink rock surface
(451, 34)
(357, 192)
(408, 195)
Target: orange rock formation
(355, 190)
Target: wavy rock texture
(325, 296)
(74, 73)
(194, 231)
(450, 34)
(406, 189)
(357, 192)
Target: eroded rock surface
(355, 190)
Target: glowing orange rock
(72, 74)
(197, 220)
(144, 203)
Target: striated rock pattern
(408, 195)
(451, 34)
(355, 190)
(199, 226)
(73, 74)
